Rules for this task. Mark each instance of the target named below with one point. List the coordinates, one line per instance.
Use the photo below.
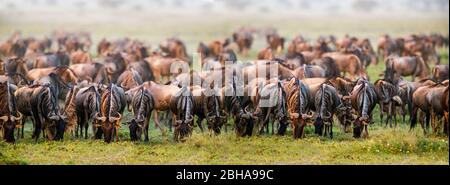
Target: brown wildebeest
(163, 67)
(436, 100)
(108, 118)
(129, 79)
(70, 112)
(10, 117)
(174, 48)
(103, 47)
(39, 102)
(265, 54)
(389, 98)
(298, 105)
(244, 40)
(363, 98)
(275, 42)
(271, 69)
(91, 72)
(16, 47)
(309, 71)
(298, 45)
(329, 65)
(440, 72)
(115, 65)
(15, 65)
(347, 63)
(65, 73)
(80, 57)
(57, 59)
(406, 66)
(388, 46)
(168, 97)
(207, 106)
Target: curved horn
(191, 117)
(112, 119)
(398, 100)
(13, 118)
(4, 118)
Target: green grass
(385, 145)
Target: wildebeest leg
(155, 116)
(403, 114)
(146, 124)
(86, 126)
(331, 129)
(381, 112)
(199, 123)
(390, 114)
(394, 112)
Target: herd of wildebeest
(66, 90)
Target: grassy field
(385, 145)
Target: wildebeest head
(184, 108)
(9, 116)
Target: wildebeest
(58, 59)
(108, 118)
(129, 78)
(275, 42)
(388, 96)
(329, 65)
(88, 102)
(271, 102)
(405, 66)
(327, 103)
(142, 103)
(298, 99)
(440, 72)
(69, 110)
(363, 98)
(244, 40)
(163, 67)
(207, 106)
(348, 63)
(10, 117)
(430, 99)
(175, 48)
(169, 97)
(80, 57)
(39, 102)
(91, 72)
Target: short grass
(385, 145)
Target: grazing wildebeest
(92, 72)
(169, 97)
(388, 96)
(309, 71)
(141, 105)
(207, 106)
(143, 69)
(108, 118)
(15, 65)
(10, 117)
(163, 67)
(87, 101)
(348, 63)
(327, 103)
(115, 65)
(39, 102)
(410, 65)
(440, 72)
(69, 111)
(298, 103)
(271, 102)
(363, 98)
